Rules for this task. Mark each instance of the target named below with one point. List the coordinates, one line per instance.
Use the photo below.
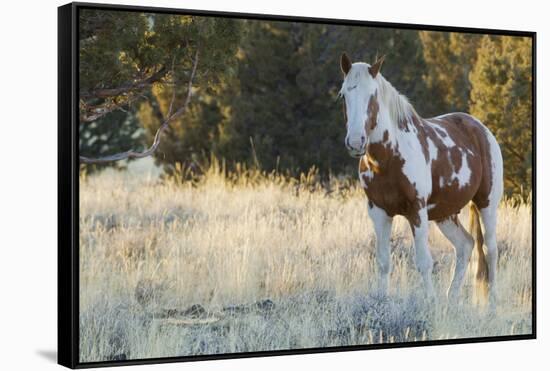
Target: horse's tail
(482, 270)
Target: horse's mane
(399, 107)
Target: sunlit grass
(252, 261)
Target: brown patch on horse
(372, 114)
(448, 196)
(385, 136)
(456, 158)
(481, 198)
(389, 188)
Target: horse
(424, 170)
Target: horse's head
(359, 92)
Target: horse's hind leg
(489, 218)
(463, 244)
(487, 200)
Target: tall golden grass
(250, 261)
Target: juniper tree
(128, 60)
(501, 97)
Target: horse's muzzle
(354, 152)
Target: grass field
(255, 263)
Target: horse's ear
(345, 63)
(375, 68)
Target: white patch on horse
(376, 135)
(432, 150)
(464, 174)
(444, 136)
(496, 167)
(414, 167)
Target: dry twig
(171, 116)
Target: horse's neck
(382, 140)
(388, 138)
(384, 132)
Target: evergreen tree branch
(509, 146)
(170, 116)
(113, 92)
(93, 113)
(129, 92)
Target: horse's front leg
(382, 227)
(424, 262)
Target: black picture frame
(68, 184)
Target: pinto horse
(423, 169)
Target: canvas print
(253, 185)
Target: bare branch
(171, 116)
(173, 90)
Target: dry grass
(263, 263)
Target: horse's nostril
(362, 139)
(347, 142)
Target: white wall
(28, 181)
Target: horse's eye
(352, 87)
